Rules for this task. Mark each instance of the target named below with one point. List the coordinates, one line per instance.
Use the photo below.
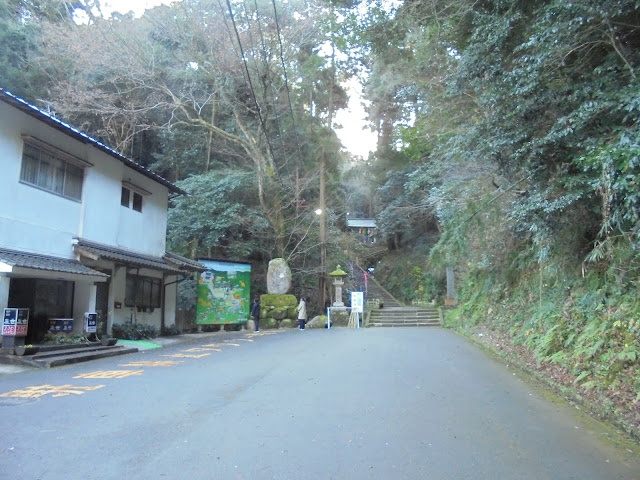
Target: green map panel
(224, 291)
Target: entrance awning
(184, 263)
(18, 263)
(96, 251)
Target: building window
(48, 298)
(51, 171)
(125, 197)
(136, 203)
(143, 292)
(131, 199)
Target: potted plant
(109, 341)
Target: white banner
(357, 302)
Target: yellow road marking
(182, 355)
(56, 391)
(149, 363)
(110, 374)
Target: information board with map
(224, 291)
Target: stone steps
(375, 291)
(57, 355)
(405, 317)
(392, 313)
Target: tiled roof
(44, 262)
(67, 129)
(184, 263)
(361, 223)
(98, 251)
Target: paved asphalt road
(414, 403)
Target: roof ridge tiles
(26, 107)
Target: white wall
(106, 221)
(170, 299)
(84, 300)
(41, 222)
(126, 314)
(31, 219)
(4, 292)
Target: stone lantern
(338, 276)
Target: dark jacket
(255, 310)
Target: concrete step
(405, 317)
(405, 324)
(55, 356)
(387, 313)
(401, 313)
(401, 321)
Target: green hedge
(134, 331)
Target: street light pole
(323, 237)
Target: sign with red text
(15, 322)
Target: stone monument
(278, 277)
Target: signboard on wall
(224, 291)
(15, 322)
(61, 325)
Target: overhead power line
(265, 65)
(286, 81)
(253, 93)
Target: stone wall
(278, 311)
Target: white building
(82, 228)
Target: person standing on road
(302, 313)
(255, 313)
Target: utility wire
(253, 93)
(286, 81)
(226, 24)
(266, 70)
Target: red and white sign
(15, 322)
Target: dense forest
(508, 150)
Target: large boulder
(278, 277)
(317, 322)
